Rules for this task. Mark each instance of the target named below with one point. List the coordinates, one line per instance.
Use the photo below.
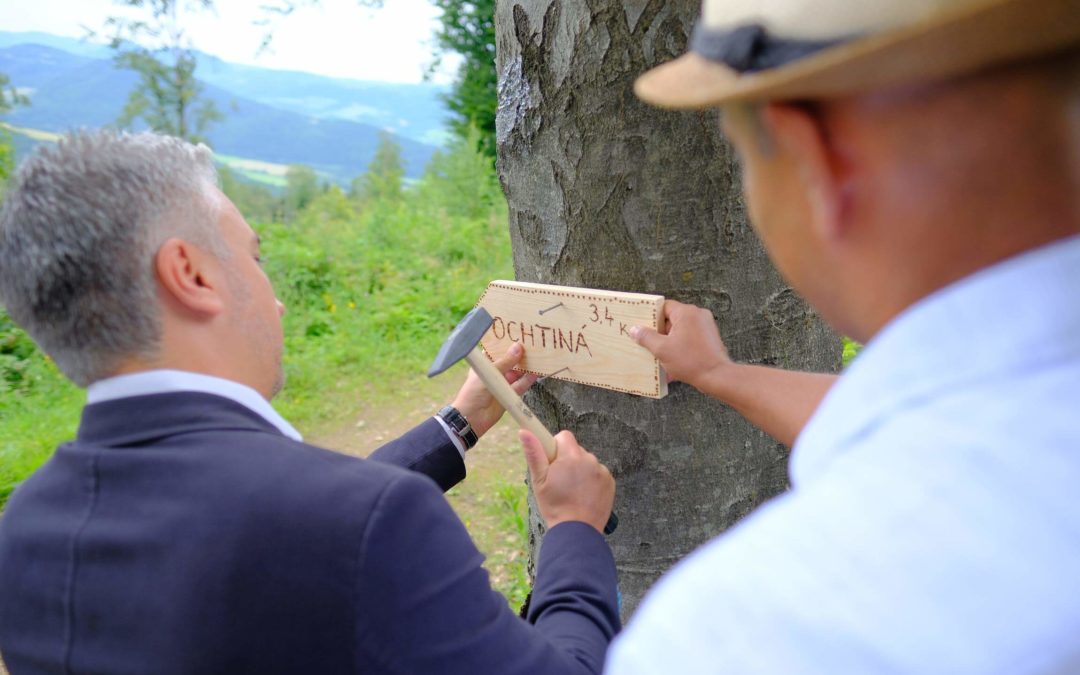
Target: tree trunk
(607, 192)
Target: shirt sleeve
(425, 604)
(454, 438)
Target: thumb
(510, 359)
(647, 338)
(535, 457)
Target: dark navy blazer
(182, 533)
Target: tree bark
(607, 192)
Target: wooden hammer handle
(506, 396)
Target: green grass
(262, 178)
(39, 409)
(512, 510)
(264, 173)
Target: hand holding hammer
(554, 484)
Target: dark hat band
(750, 48)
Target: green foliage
(9, 95)
(851, 350)
(467, 27)
(372, 293)
(7, 158)
(460, 180)
(301, 189)
(167, 97)
(16, 354)
(38, 407)
(382, 182)
(255, 201)
(9, 98)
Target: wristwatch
(460, 426)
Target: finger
(535, 458)
(567, 444)
(647, 338)
(705, 316)
(513, 376)
(522, 383)
(507, 361)
(673, 307)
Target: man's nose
(280, 307)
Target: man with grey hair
(187, 528)
(110, 217)
(913, 168)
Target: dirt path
(491, 497)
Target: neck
(194, 350)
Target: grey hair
(79, 229)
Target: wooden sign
(576, 334)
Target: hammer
(464, 343)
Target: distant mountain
(273, 116)
(415, 111)
(67, 44)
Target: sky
(338, 38)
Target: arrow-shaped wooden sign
(577, 334)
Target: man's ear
(801, 136)
(186, 276)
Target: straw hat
(789, 49)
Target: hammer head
(462, 340)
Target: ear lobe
(185, 277)
(802, 137)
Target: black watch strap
(457, 422)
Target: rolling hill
(277, 117)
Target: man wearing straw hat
(913, 167)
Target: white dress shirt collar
(168, 381)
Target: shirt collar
(168, 381)
(1017, 315)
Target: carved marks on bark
(514, 101)
(784, 306)
(561, 64)
(798, 337)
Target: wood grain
(577, 334)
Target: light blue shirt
(933, 525)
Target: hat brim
(961, 42)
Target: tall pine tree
(383, 180)
(467, 28)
